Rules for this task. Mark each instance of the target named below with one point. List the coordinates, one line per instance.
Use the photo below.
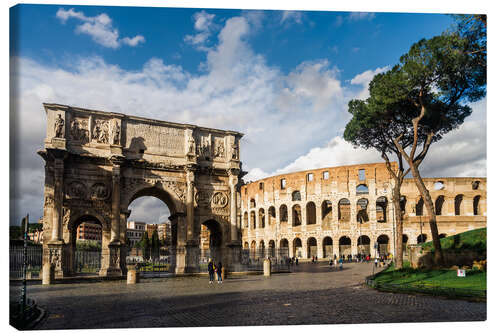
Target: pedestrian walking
(219, 272)
(341, 263)
(330, 262)
(297, 261)
(335, 263)
(211, 270)
(376, 262)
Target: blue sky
(283, 78)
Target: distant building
(165, 233)
(36, 236)
(150, 228)
(89, 231)
(135, 230)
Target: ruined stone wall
(323, 209)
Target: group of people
(212, 269)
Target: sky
(283, 78)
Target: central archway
(211, 241)
(85, 255)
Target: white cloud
(289, 15)
(100, 28)
(364, 80)
(203, 22)
(358, 16)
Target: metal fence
(87, 261)
(34, 261)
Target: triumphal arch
(97, 163)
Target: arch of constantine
(97, 163)
(348, 210)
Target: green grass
(469, 240)
(437, 282)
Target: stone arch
(296, 215)
(422, 238)
(272, 248)
(253, 245)
(262, 248)
(344, 246)
(245, 220)
(297, 247)
(159, 191)
(402, 204)
(381, 209)
(252, 220)
(312, 247)
(217, 237)
(362, 210)
(476, 205)
(327, 247)
(326, 211)
(271, 213)
(458, 204)
(252, 203)
(344, 210)
(245, 246)
(296, 196)
(84, 216)
(439, 205)
(362, 189)
(310, 213)
(405, 243)
(419, 207)
(442, 235)
(364, 245)
(262, 218)
(383, 244)
(284, 243)
(283, 213)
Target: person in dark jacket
(219, 272)
(211, 270)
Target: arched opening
(312, 247)
(283, 214)
(361, 189)
(327, 247)
(245, 246)
(86, 246)
(253, 250)
(252, 203)
(442, 235)
(364, 245)
(311, 213)
(326, 211)
(252, 220)
(271, 213)
(476, 205)
(381, 208)
(297, 248)
(211, 241)
(405, 243)
(262, 249)
(475, 184)
(402, 204)
(284, 243)
(272, 248)
(419, 208)
(439, 185)
(362, 210)
(296, 196)
(422, 238)
(297, 215)
(458, 204)
(344, 246)
(152, 229)
(439, 205)
(383, 245)
(245, 220)
(344, 212)
(262, 218)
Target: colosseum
(346, 210)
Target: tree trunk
(398, 232)
(429, 205)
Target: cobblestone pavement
(312, 294)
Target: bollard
(47, 274)
(132, 276)
(223, 273)
(267, 267)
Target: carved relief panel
(79, 130)
(100, 131)
(219, 148)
